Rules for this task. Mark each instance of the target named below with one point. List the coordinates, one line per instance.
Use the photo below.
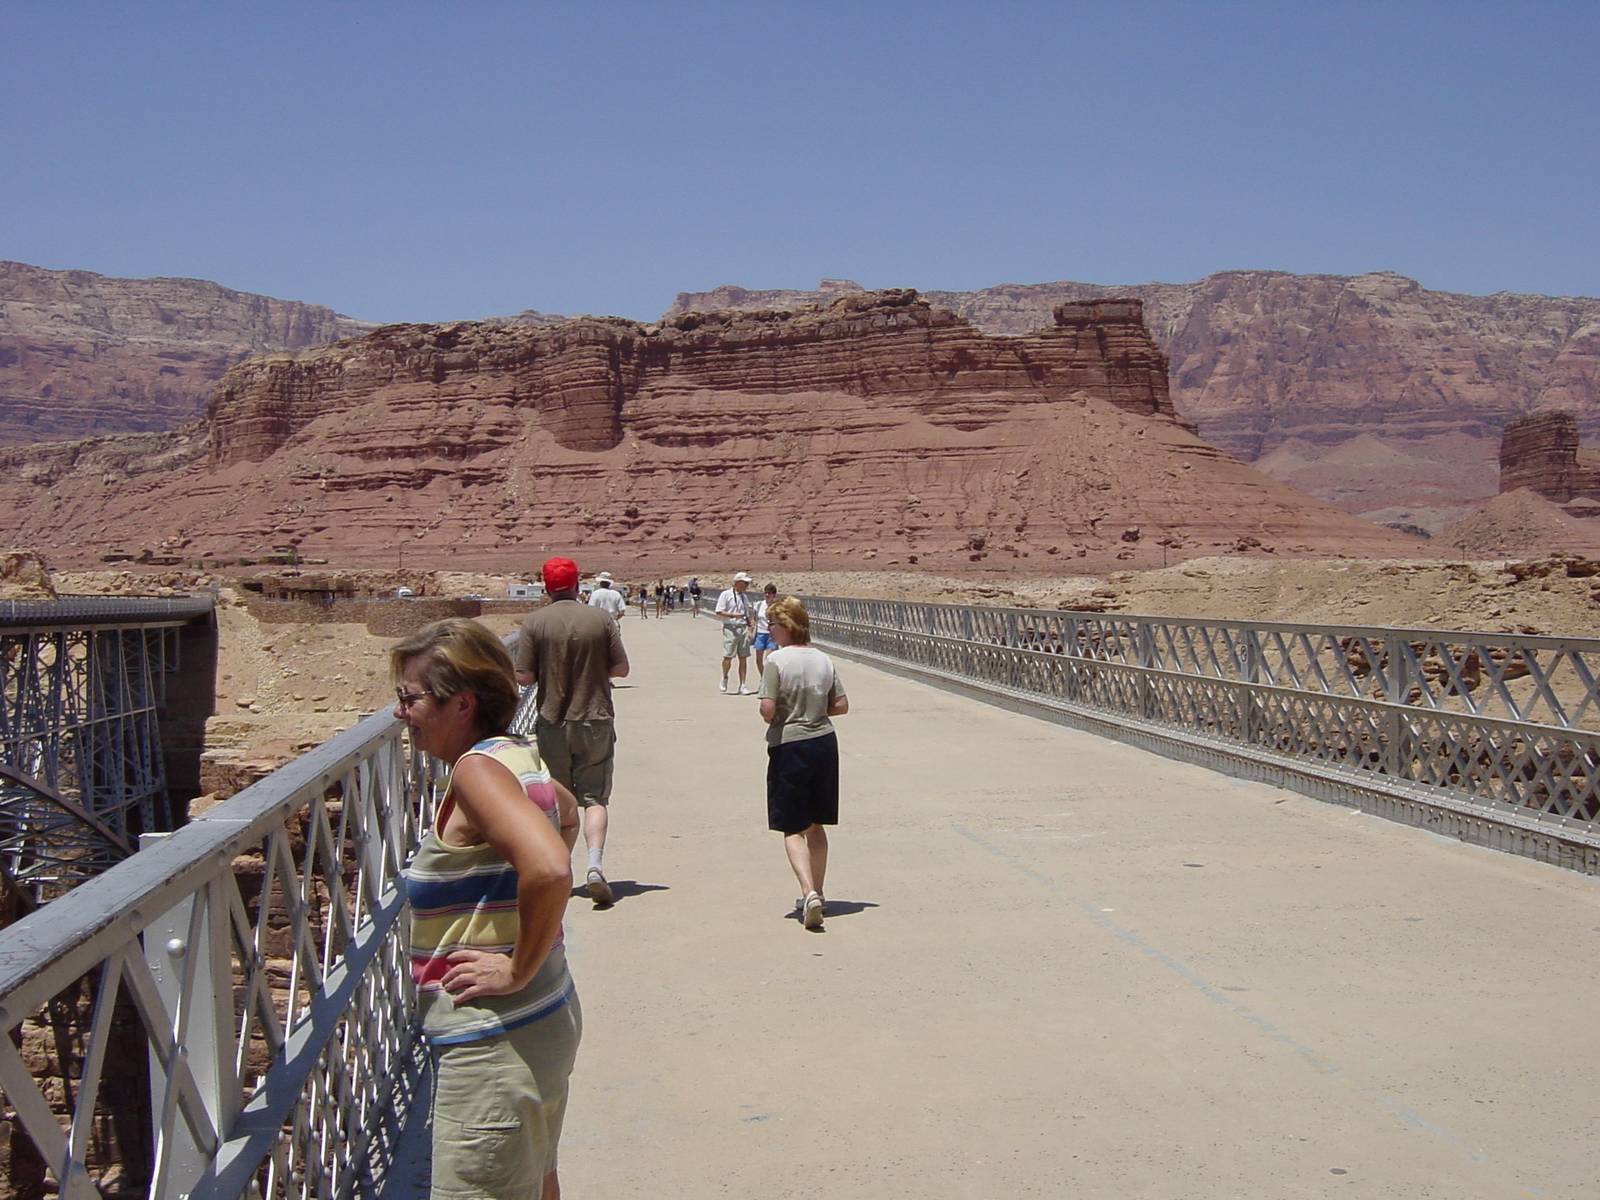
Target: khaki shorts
(735, 640)
(498, 1106)
(580, 756)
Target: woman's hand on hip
(475, 973)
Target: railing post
(1145, 640)
(206, 1012)
(1255, 722)
(1397, 752)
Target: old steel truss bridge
(260, 955)
(83, 765)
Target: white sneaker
(724, 687)
(599, 889)
(812, 917)
(744, 691)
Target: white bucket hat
(742, 577)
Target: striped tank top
(465, 898)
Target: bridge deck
(1058, 966)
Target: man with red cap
(573, 651)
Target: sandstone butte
(1371, 391)
(82, 354)
(1541, 452)
(876, 430)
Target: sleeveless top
(465, 897)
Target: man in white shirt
(737, 612)
(607, 598)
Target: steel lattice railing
(261, 954)
(1499, 727)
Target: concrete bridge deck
(1057, 967)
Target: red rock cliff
(1371, 390)
(576, 380)
(1540, 452)
(84, 354)
(873, 431)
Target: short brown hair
(460, 655)
(792, 615)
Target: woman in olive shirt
(800, 691)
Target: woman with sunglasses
(488, 888)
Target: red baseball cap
(560, 574)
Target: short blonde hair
(792, 615)
(460, 655)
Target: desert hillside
(877, 430)
(1370, 391)
(83, 354)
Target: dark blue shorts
(803, 784)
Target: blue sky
(432, 161)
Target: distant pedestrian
(694, 596)
(737, 613)
(644, 601)
(607, 597)
(573, 652)
(661, 597)
(763, 640)
(800, 691)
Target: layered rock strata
(1541, 452)
(1371, 391)
(83, 354)
(877, 429)
(577, 381)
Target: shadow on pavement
(621, 889)
(838, 908)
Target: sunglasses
(407, 699)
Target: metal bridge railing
(1501, 728)
(258, 954)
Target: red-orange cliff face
(576, 381)
(1371, 391)
(1541, 452)
(874, 429)
(84, 354)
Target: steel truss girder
(79, 723)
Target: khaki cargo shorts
(735, 640)
(498, 1107)
(580, 756)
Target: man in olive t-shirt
(573, 651)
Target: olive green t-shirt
(570, 649)
(803, 682)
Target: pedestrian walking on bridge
(737, 612)
(573, 651)
(800, 691)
